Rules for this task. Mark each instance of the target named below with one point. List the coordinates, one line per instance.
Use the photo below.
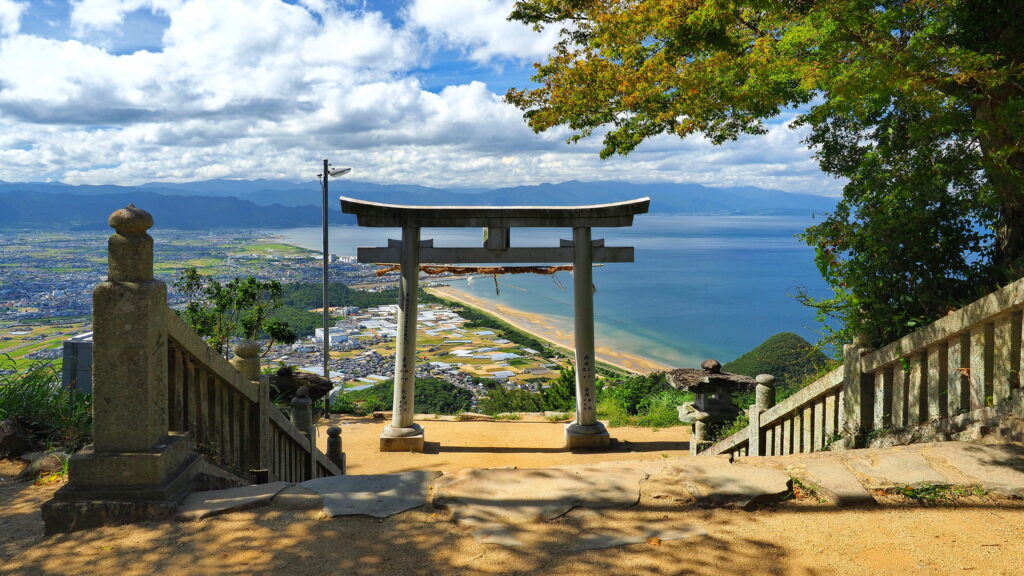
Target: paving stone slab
(298, 497)
(998, 468)
(499, 504)
(836, 482)
(716, 482)
(892, 466)
(538, 493)
(209, 503)
(376, 495)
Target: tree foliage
(558, 396)
(433, 396)
(918, 103)
(242, 307)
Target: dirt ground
(530, 442)
(798, 537)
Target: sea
(700, 286)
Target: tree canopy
(919, 103)
(242, 307)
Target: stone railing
(163, 399)
(959, 371)
(230, 418)
(807, 421)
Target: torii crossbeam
(586, 431)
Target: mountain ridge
(216, 204)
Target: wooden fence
(959, 370)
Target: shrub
(33, 396)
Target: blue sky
(405, 91)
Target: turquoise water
(701, 286)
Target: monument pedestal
(409, 439)
(580, 437)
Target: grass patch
(937, 494)
(558, 417)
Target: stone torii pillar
(586, 431)
(403, 435)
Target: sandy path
(528, 443)
(800, 538)
(795, 540)
(541, 326)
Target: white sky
(133, 91)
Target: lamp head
(339, 172)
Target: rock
(45, 464)
(287, 381)
(14, 439)
(467, 416)
(711, 366)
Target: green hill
(787, 356)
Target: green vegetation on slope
(433, 396)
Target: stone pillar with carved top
(135, 468)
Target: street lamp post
(327, 173)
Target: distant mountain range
(261, 204)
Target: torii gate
(586, 431)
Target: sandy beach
(541, 327)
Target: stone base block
(401, 444)
(108, 489)
(73, 515)
(586, 437)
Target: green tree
(919, 103)
(242, 307)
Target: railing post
(302, 410)
(247, 359)
(135, 469)
(334, 451)
(764, 399)
(302, 418)
(858, 396)
(699, 432)
(266, 456)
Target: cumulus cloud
(10, 16)
(481, 28)
(265, 89)
(108, 14)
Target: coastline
(540, 327)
